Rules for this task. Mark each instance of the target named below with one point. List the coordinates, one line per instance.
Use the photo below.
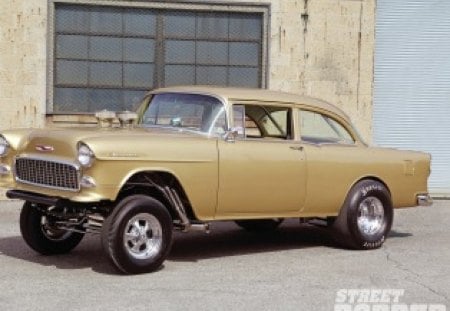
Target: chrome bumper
(424, 200)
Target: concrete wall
(322, 48)
(22, 62)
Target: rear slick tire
(365, 218)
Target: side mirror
(231, 135)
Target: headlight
(4, 146)
(85, 155)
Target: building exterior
(62, 60)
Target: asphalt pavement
(298, 267)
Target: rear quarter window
(319, 128)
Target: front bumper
(32, 197)
(424, 199)
(50, 200)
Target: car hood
(105, 142)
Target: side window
(239, 119)
(319, 128)
(262, 121)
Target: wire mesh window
(107, 57)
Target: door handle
(298, 148)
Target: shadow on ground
(225, 239)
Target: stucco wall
(322, 48)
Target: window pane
(104, 48)
(267, 121)
(239, 119)
(318, 128)
(314, 125)
(106, 21)
(251, 129)
(101, 46)
(344, 135)
(244, 54)
(212, 26)
(245, 26)
(71, 72)
(196, 112)
(211, 75)
(71, 100)
(179, 75)
(72, 19)
(276, 124)
(139, 50)
(214, 53)
(179, 25)
(180, 52)
(244, 77)
(69, 46)
(139, 22)
(138, 75)
(105, 99)
(105, 74)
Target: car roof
(250, 94)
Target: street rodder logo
(378, 300)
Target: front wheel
(41, 234)
(137, 236)
(366, 217)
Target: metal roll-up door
(412, 82)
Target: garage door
(412, 82)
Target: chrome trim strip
(74, 165)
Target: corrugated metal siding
(412, 81)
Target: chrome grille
(46, 173)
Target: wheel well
(150, 183)
(374, 178)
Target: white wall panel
(412, 81)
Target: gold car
(193, 155)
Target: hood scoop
(106, 118)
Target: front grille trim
(50, 161)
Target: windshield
(188, 111)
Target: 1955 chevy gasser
(193, 155)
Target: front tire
(43, 237)
(366, 217)
(137, 236)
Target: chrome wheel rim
(370, 216)
(142, 236)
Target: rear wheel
(366, 217)
(259, 225)
(137, 236)
(41, 233)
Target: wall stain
(305, 17)
(359, 56)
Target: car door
(335, 160)
(262, 170)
